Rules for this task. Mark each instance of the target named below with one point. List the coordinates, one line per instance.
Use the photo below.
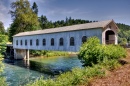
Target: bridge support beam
(27, 54)
(21, 54)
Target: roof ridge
(98, 24)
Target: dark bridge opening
(110, 37)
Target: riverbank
(82, 76)
(116, 77)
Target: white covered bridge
(68, 38)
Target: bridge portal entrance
(110, 37)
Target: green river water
(18, 73)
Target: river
(19, 73)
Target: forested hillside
(45, 23)
(124, 33)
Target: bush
(92, 52)
(2, 79)
(111, 64)
(75, 77)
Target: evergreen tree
(43, 22)
(35, 8)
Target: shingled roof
(92, 25)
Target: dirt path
(117, 77)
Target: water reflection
(46, 68)
(19, 76)
(53, 65)
(21, 72)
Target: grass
(46, 53)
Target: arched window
(52, 42)
(84, 39)
(31, 42)
(37, 42)
(44, 42)
(25, 42)
(21, 42)
(16, 42)
(72, 41)
(61, 42)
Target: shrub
(92, 52)
(2, 79)
(47, 53)
(72, 78)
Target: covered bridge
(68, 38)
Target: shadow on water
(46, 68)
(20, 72)
(50, 66)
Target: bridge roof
(92, 25)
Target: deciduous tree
(24, 19)
(2, 30)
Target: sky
(99, 10)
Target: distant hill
(124, 33)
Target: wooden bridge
(68, 38)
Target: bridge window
(37, 42)
(31, 42)
(84, 39)
(61, 43)
(25, 42)
(21, 42)
(44, 42)
(16, 42)
(52, 42)
(72, 41)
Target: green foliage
(106, 59)
(92, 52)
(3, 41)
(24, 19)
(123, 41)
(124, 31)
(111, 64)
(47, 53)
(76, 76)
(2, 30)
(45, 23)
(2, 81)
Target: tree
(24, 19)
(43, 22)
(124, 31)
(35, 8)
(2, 30)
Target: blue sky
(99, 10)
